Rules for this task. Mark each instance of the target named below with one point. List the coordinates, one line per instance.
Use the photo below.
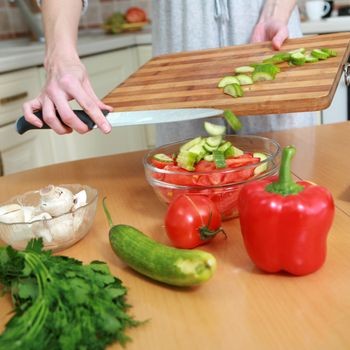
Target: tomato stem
(206, 232)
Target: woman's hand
(273, 22)
(272, 30)
(66, 80)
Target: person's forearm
(278, 9)
(61, 21)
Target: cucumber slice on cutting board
(228, 80)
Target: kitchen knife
(117, 119)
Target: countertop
(240, 307)
(327, 25)
(22, 53)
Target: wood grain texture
(189, 80)
(240, 308)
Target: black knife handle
(22, 125)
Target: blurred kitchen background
(110, 59)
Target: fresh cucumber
(264, 72)
(227, 81)
(310, 59)
(233, 90)
(232, 120)
(262, 167)
(191, 143)
(329, 52)
(209, 157)
(244, 69)
(298, 58)
(219, 159)
(178, 267)
(186, 160)
(301, 50)
(237, 151)
(225, 146)
(321, 55)
(213, 141)
(244, 79)
(161, 157)
(262, 76)
(278, 58)
(214, 129)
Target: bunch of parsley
(59, 303)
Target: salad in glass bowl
(217, 166)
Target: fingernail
(38, 124)
(106, 127)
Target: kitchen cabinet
(17, 152)
(106, 71)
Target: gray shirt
(185, 25)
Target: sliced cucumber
(161, 157)
(244, 79)
(301, 50)
(232, 120)
(265, 72)
(209, 157)
(209, 149)
(278, 58)
(244, 69)
(191, 143)
(262, 76)
(298, 58)
(329, 52)
(227, 81)
(219, 159)
(233, 90)
(186, 160)
(198, 150)
(319, 54)
(229, 152)
(310, 59)
(214, 141)
(262, 167)
(237, 151)
(225, 146)
(214, 129)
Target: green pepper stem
(285, 184)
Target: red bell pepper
(285, 223)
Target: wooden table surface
(240, 307)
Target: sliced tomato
(210, 179)
(241, 161)
(159, 164)
(178, 179)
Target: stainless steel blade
(118, 119)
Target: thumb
(279, 38)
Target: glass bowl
(58, 232)
(221, 185)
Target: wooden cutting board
(189, 80)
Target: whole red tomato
(192, 220)
(135, 14)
